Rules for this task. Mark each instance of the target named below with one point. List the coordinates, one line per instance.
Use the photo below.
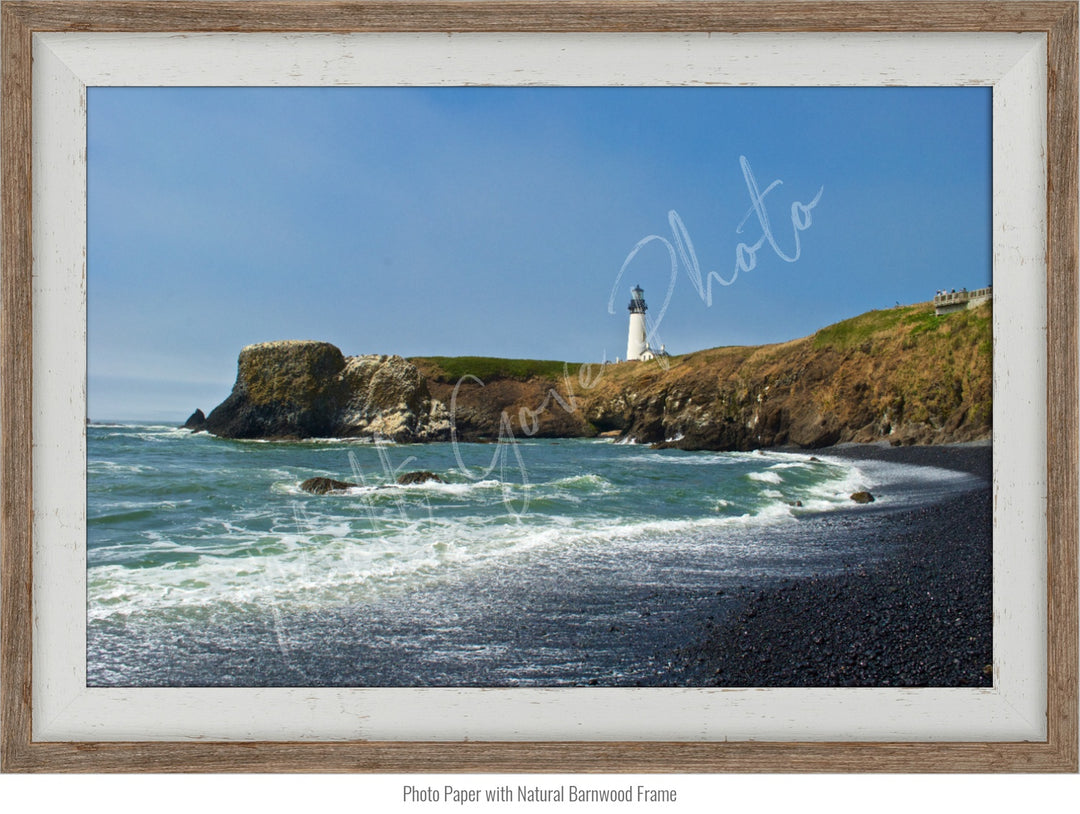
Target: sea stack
(196, 422)
(308, 389)
(283, 389)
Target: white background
(824, 794)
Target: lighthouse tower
(636, 347)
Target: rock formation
(305, 389)
(325, 486)
(196, 422)
(411, 478)
(902, 375)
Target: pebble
(921, 618)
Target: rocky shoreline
(900, 596)
(921, 618)
(904, 375)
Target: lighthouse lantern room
(636, 346)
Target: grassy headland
(901, 374)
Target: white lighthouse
(636, 346)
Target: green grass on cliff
(451, 369)
(910, 321)
(928, 369)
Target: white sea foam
(899, 483)
(590, 482)
(338, 563)
(154, 435)
(458, 488)
(274, 545)
(675, 458)
(765, 477)
(112, 467)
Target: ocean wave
(246, 537)
(679, 458)
(454, 488)
(393, 491)
(767, 476)
(111, 467)
(170, 428)
(589, 481)
(157, 435)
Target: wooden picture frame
(22, 752)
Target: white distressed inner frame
(1013, 710)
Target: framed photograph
(539, 386)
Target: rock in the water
(283, 390)
(862, 497)
(409, 478)
(304, 389)
(196, 422)
(325, 486)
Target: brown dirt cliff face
(502, 404)
(902, 375)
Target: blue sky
(495, 221)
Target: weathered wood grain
(16, 385)
(538, 15)
(535, 757)
(20, 753)
(1062, 386)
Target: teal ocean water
(532, 563)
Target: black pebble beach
(922, 617)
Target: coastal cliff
(903, 375)
(306, 389)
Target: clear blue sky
(494, 221)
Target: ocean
(536, 563)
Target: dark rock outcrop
(305, 389)
(283, 390)
(196, 422)
(325, 486)
(410, 478)
(862, 497)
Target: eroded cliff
(902, 374)
(306, 389)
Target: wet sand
(920, 617)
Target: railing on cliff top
(963, 297)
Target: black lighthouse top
(637, 303)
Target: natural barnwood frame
(20, 20)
